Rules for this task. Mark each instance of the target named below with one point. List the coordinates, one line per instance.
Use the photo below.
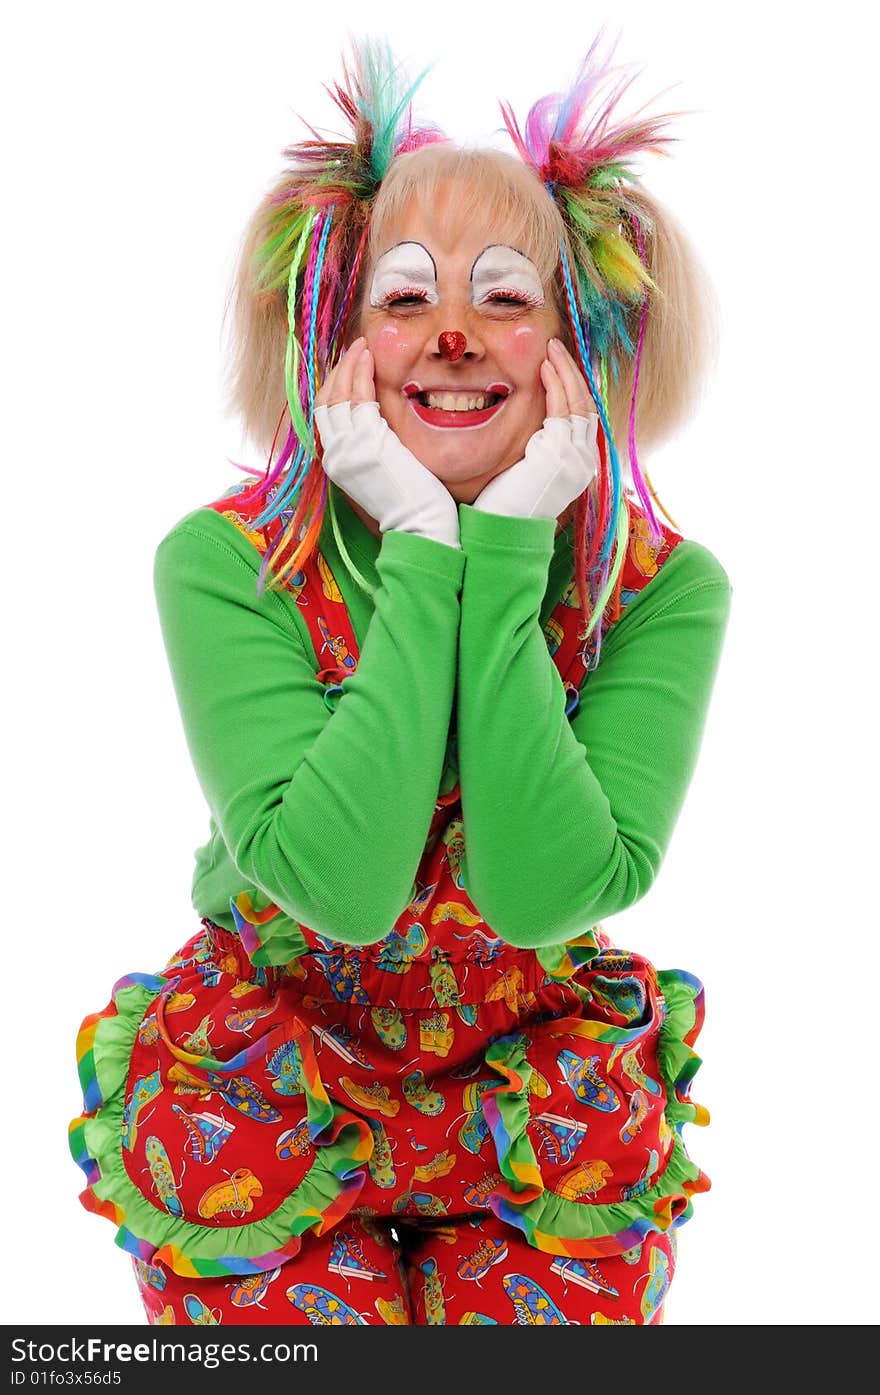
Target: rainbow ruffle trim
(329, 1190)
(557, 1225)
(286, 941)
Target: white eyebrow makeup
(410, 266)
(407, 266)
(503, 268)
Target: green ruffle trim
(320, 1200)
(679, 1063)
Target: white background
(138, 140)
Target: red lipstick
(461, 421)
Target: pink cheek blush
(522, 344)
(390, 344)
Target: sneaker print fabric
(255, 1127)
(467, 1273)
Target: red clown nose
(452, 344)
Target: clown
(443, 675)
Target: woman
(395, 1078)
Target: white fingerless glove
(369, 462)
(561, 460)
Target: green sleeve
(567, 822)
(326, 813)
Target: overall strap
(315, 590)
(573, 656)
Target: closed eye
(405, 298)
(512, 298)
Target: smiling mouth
(459, 409)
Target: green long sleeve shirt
(326, 814)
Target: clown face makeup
(469, 418)
(408, 269)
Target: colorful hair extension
(315, 236)
(581, 162)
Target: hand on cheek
(363, 387)
(351, 379)
(567, 392)
(557, 403)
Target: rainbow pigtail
(294, 354)
(644, 491)
(582, 160)
(315, 235)
(600, 400)
(310, 313)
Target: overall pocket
(217, 1112)
(213, 1143)
(582, 1125)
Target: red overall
(514, 1115)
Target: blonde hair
(496, 189)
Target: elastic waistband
(386, 975)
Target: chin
(447, 459)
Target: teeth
(447, 402)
